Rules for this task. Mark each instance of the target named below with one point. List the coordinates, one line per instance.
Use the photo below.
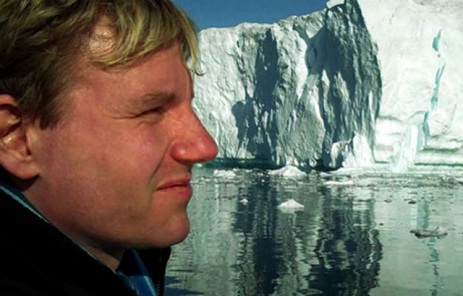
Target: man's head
(96, 123)
(40, 41)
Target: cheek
(143, 152)
(119, 160)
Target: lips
(180, 188)
(175, 184)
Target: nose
(194, 143)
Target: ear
(15, 156)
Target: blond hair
(40, 40)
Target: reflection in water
(348, 248)
(347, 240)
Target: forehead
(160, 74)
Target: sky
(229, 13)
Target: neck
(110, 257)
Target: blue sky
(228, 13)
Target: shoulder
(37, 259)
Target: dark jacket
(37, 259)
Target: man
(97, 141)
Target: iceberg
(360, 84)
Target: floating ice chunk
(325, 175)
(340, 183)
(288, 171)
(363, 198)
(423, 233)
(224, 174)
(291, 204)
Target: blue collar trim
(134, 273)
(19, 197)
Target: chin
(178, 233)
(172, 234)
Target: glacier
(360, 84)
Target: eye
(160, 110)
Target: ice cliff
(361, 83)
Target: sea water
(351, 234)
